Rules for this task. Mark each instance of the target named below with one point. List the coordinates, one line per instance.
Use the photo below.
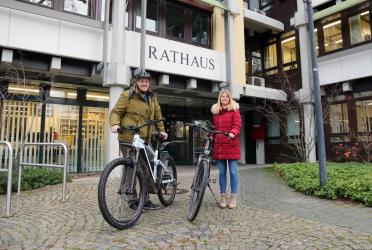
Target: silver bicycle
(122, 179)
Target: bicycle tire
(167, 198)
(115, 171)
(198, 188)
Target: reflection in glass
(364, 115)
(175, 22)
(316, 41)
(200, 28)
(47, 3)
(360, 29)
(270, 58)
(256, 62)
(151, 15)
(288, 45)
(332, 36)
(81, 7)
(339, 119)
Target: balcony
(259, 22)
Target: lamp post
(317, 98)
(143, 34)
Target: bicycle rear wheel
(168, 188)
(198, 189)
(120, 206)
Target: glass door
(180, 148)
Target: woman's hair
(232, 106)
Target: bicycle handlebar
(134, 128)
(210, 131)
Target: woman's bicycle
(122, 179)
(202, 171)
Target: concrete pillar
(306, 93)
(117, 73)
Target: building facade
(63, 65)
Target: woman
(226, 151)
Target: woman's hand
(231, 135)
(114, 128)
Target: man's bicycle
(122, 179)
(202, 171)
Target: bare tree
(291, 115)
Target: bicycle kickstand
(215, 199)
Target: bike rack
(21, 163)
(10, 171)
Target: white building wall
(31, 32)
(346, 65)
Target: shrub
(33, 178)
(349, 180)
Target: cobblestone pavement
(269, 216)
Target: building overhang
(337, 8)
(263, 92)
(261, 23)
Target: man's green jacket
(136, 110)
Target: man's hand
(163, 135)
(114, 129)
(231, 135)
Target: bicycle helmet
(143, 74)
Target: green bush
(33, 178)
(349, 180)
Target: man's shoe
(150, 206)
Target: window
(360, 29)
(364, 115)
(273, 130)
(288, 44)
(293, 126)
(151, 14)
(332, 33)
(270, 57)
(97, 96)
(254, 4)
(81, 7)
(63, 93)
(200, 28)
(266, 4)
(339, 120)
(175, 22)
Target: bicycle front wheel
(120, 202)
(198, 189)
(168, 181)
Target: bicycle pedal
(212, 180)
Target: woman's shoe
(233, 201)
(223, 202)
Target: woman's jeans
(233, 169)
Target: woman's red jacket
(224, 147)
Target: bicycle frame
(139, 144)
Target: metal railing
(21, 163)
(10, 171)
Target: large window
(288, 44)
(151, 15)
(332, 33)
(270, 57)
(360, 28)
(364, 115)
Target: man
(135, 107)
